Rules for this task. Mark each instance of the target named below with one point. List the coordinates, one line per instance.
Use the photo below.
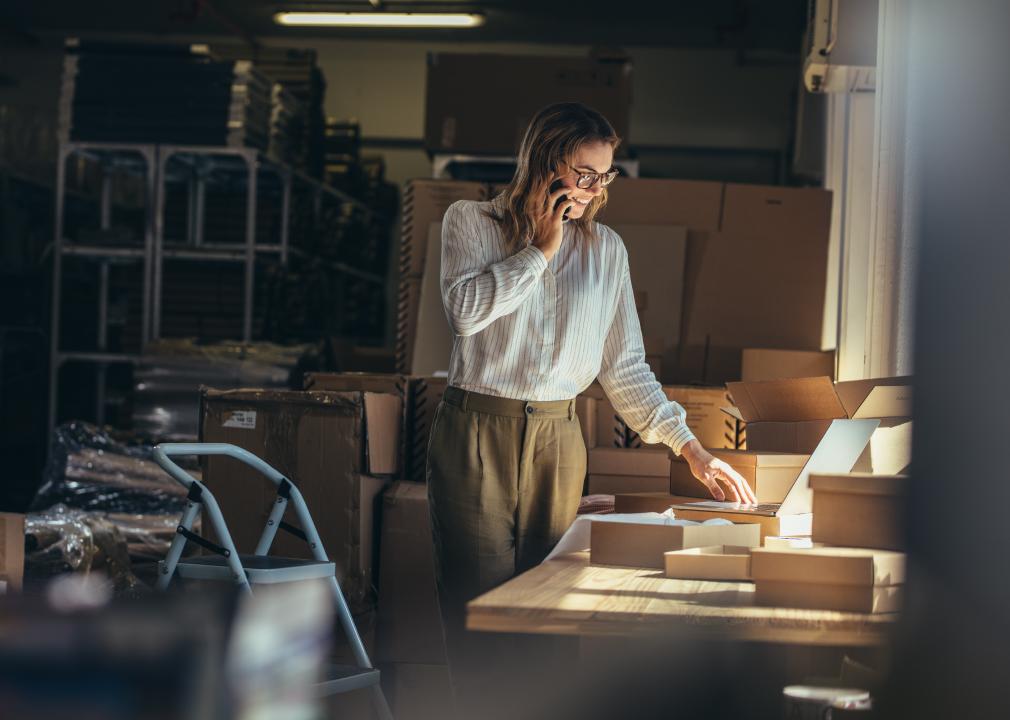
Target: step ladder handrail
(162, 452)
(161, 455)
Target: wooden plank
(568, 596)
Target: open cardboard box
(859, 510)
(770, 474)
(827, 578)
(792, 525)
(712, 562)
(642, 544)
(818, 398)
(837, 452)
(792, 415)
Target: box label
(242, 419)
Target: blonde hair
(554, 136)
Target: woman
(540, 301)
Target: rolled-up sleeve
(629, 381)
(475, 291)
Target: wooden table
(568, 596)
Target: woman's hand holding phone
(550, 228)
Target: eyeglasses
(587, 179)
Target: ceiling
(773, 25)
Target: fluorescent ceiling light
(378, 19)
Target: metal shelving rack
(155, 163)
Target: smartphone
(555, 186)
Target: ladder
(226, 564)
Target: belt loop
(466, 396)
(571, 410)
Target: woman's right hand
(551, 224)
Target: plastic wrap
(166, 397)
(89, 469)
(63, 539)
(97, 483)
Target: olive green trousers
(504, 481)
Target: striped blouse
(529, 329)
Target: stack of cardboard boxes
(855, 563)
(341, 449)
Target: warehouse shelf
(160, 170)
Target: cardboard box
(841, 598)
(408, 304)
(769, 261)
(817, 398)
(859, 510)
(613, 470)
(764, 364)
(652, 462)
(845, 579)
(838, 450)
(694, 204)
(408, 625)
(643, 544)
(792, 524)
(464, 113)
(424, 202)
(781, 542)
(418, 691)
(614, 484)
(793, 415)
(433, 338)
(425, 396)
(770, 475)
(608, 427)
(656, 258)
(420, 397)
(323, 442)
(713, 562)
(890, 449)
(12, 550)
(585, 409)
(829, 566)
(654, 360)
(705, 417)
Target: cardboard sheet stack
(162, 94)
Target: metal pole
(151, 157)
(159, 238)
(105, 221)
(190, 206)
(250, 246)
(201, 206)
(103, 336)
(54, 311)
(287, 178)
